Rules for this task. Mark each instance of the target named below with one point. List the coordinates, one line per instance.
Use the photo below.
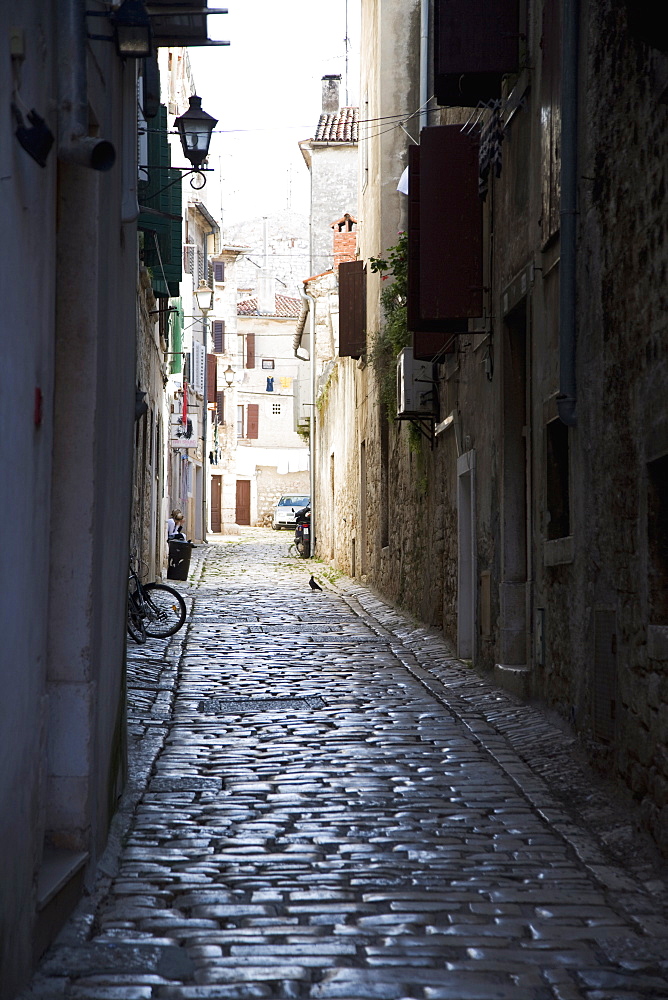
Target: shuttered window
(250, 350)
(160, 211)
(211, 378)
(252, 420)
(218, 327)
(444, 238)
(218, 271)
(198, 367)
(220, 406)
(475, 43)
(352, 309)
(550, 118)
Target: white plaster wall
(333, 193)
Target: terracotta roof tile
(341, 127)
(285, 306)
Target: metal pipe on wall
(567, 398)
(74, 143)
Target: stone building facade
(526, 513)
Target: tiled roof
(285, 306)
(341, 127)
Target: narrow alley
(324, 803)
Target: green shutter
(176, 339)
(160, 211)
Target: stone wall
(569, 542)
(272, 485)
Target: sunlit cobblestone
(390, 827)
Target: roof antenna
(347, 44)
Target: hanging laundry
(270, 385)
(489, 156)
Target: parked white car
(286, 508)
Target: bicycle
(154, 609)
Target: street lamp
(229, 375)
(204, 296)
(195, 127)
(132, 29)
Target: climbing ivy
(393, 335)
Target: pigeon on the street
(313, 584)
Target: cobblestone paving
(323, 803)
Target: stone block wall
(271, 486)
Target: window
(558, 503)
(276, 408)
(218, 327)
(657, 539)
(475, 43)
(352, 309)
(444, 239)
(219, 271)
(240, 421)
(253, 417)
(267, 363)
(211, 378)
(250, 350)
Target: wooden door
(216, 498)
(243, 501)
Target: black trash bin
(178, 563)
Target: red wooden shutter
(352, 309)
(250, 350)
(550, 117)
(219, 336)
(475, 43)
(211, 377)
(444, 239)
(253, 420)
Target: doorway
(513, 634)
(466, 557)
(243, 501)
(216, 504)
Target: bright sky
(265, 90)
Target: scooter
(303, 532)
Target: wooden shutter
(250, 350)
(352, 309)
(475, 43)
(253, 419)
(218, 271)
(160, 211)
(218, 327)
(550, 118)
(444, 239)
(220, 406)
(211, 378)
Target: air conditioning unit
(416, 388)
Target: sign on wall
(183, 435)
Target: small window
(276, 408)
(240, 421)
(558, 501)
(267, 363)
(657, 539)
(219, 271)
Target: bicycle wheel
(135, 622)
(166, 610)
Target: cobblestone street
(324, 803)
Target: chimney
(330, 94)
(345, 240)
(266, 294)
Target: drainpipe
(75, 145)
(309, 302)
(424, 62)
(567, 398)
